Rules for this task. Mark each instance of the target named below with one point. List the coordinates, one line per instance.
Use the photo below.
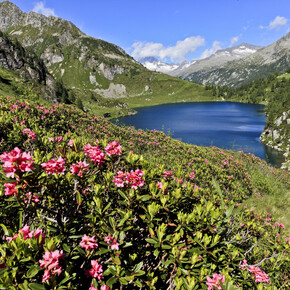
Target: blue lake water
(227, 125)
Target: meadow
(90, 205)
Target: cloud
(208, 52)
(234, 40)
(277, 23)
(175, 53)
(39, 8)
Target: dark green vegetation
(173, 230)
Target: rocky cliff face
(276, 137)
(29, 67)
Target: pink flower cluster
(70, 143)
(192, 175)
(16, 161)
(56, 139)
(27, 234)
(54, 166)
(260, 276)
(29, 133)
(96, 271)
(279, 225)
(88, 243)
(113, 148)
(167, 174)
(10, 188)
(79, 168)
(215, 281)
(95, 154)
(133, 179)
(114, 245)
(51, 264)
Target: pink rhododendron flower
(29, 133)
(27, 234)
(46, 276)
(167, 174)
(288, 240)
(113, 148)
(192, 175)
(134, 178)
(70, 143)
(16, 161)
(31, 197)
(10, 188)
(114, 245)
(51, 264)
(95, 154)
(215, 281)
(55, 139)
(92, 287)
(79, 168)
(88, 243)
(54, 166)
(108, 239)
(105, 287)
(159, 185)
(96, 271)
(260, 276)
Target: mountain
(252, 63)
(96, 71)
(154, 64)
(220, 58)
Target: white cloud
(176, 53)
(234, 40)
(277, 23)
(208, 52)
(39, 8)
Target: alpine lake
(227, 125)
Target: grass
(271, 194)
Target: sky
(172, 30)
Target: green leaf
(36, 286)
(151, 241)
(138, 283)
(4, 229)
(32, 271)
(218, 190)
(138, 267)
(79, 198)
(111, 282)
(123, 281)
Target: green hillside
(132, 209)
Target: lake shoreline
(259, 109)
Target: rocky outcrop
(29, 67)
(276, 137)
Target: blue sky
(173, 30)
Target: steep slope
(21, 66)
(275, 57)
(91, 67)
